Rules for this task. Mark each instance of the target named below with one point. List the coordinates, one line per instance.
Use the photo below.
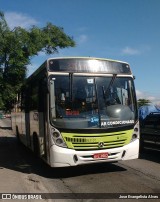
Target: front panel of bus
(93, 118)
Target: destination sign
(86, 65)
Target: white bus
(79, 110)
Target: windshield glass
(92, 102)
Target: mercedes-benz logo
(101, 144)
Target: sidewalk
(15, 172)
(11, 179)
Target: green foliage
(142, 102)
(17, 48)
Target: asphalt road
(22, 172)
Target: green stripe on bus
(89, 141)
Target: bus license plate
(100, 155)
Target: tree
(17, 48)
(142, 102)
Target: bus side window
(34, 98)
(23, 100)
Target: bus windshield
(81, 102)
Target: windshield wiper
(105, 92)
(71, 87)
(111, 83)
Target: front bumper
(62, 157)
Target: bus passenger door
(43, 118)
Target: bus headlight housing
(57, 138)
(135, 134)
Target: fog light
(75, 158)
(134, 136)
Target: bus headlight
(57, 138)
(55, 134)
(135, 134)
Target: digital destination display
(88, 66)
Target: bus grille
(97, 141)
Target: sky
(126, 30)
